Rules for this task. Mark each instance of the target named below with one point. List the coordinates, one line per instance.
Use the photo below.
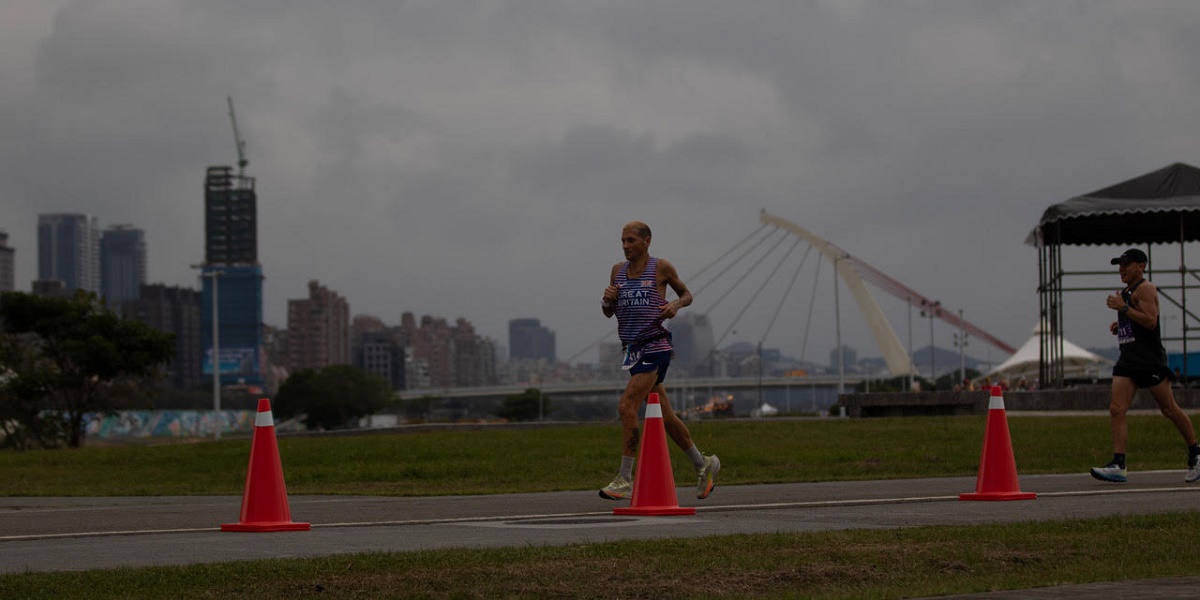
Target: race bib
(632, 355)
(1124, 331)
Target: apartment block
(69, 251)
(318, 329)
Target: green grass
(576, 458)
(900, 563)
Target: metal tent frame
(1161, 207)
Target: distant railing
(617, 385)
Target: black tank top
(1141, 348)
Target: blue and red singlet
(638, 310)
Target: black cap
(1132, 255)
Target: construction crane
(237, 138)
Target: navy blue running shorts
(659, 361)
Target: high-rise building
(529, 340)
(433, 344)
(378, 353)
(692, 336)
(486, 362)
(474, 356)
(7, 263)
(230, 218)
(173, 310)
(318, 329)
(441, 355)
(69, 250)
(122, 263)
(378, 349)
(361, 325)
(231, 261)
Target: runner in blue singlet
(636, 295)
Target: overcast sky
(478, 159)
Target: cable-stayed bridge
(853, 272)
(764, 247)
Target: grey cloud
(424, 155)
(604, 164)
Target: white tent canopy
(1077, 362)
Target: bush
(526, 406)
(335, 397)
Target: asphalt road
(62, 534)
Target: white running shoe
(616, 489)
(1113, 473)
(706, 476)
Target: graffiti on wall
(174, 423)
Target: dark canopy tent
(1162, 207)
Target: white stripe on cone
(996, 401)
(654, 410)
(264, 419)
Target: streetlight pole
(837, 310)
(216, 351)
(760, 375)
(932, 351)
(962, 348)
(910, 352)
(931, 312)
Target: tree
(23, 385)
(64, 357)
(526, 406)
(333, 398)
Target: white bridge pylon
(853, 271)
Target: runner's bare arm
(608, 302)
(668, 276)
(1143, 306)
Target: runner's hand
(669, 310)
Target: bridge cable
(746, 273)
(766, 281)
(786, 293)
(812, 301)
(728, 252)
(752, 298)
(735, 262)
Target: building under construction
(231, 253)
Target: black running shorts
(1144, 378)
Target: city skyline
(686, 322)
(481, 161)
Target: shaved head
(641, 229)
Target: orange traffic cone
(997, 468)
(654, 484)
(264, 503)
